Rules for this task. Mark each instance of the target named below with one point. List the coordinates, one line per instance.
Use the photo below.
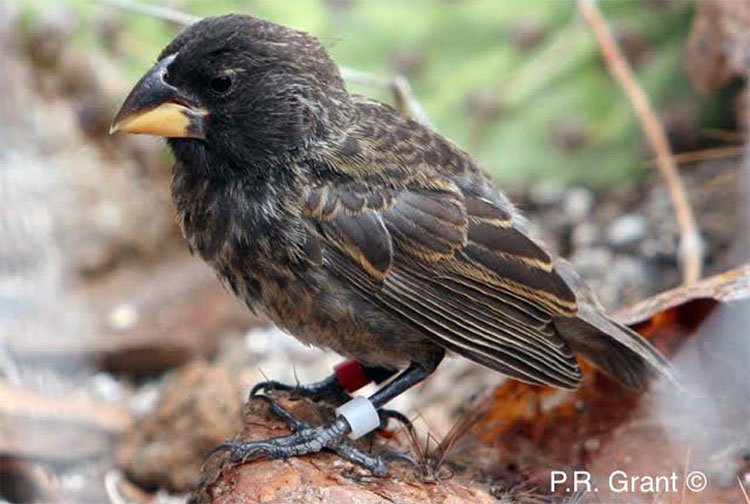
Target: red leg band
(350, 375)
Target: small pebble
(106, 387)
(627, 230)
(591, 444)
(592, 261)
(73, 482)
(547, 193)
(145, 399)
(585, 235)
(123, 317)
(577, 203)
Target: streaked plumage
(363, 231)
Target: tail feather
(615, 349)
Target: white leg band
(361, 416)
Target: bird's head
(236, 89)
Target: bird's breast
(248, 240)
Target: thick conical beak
(155, 107)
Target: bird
(358, 229)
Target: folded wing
(453, 266)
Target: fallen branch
(398, 85)
(691, 248)
(56, 428)
(152, 319)
(28, 404)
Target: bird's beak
(154, 107)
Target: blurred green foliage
(518, 83)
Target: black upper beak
(155, 107)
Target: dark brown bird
(358, 229)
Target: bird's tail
(615, 349)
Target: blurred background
(110, 331)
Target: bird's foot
(305, 439)
(328, 390)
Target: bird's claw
(400, 457)
(328, 390)
(270, 386)
(389, 414)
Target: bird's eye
(221, 84)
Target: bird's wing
(452, 265)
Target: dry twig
(691, 244)
(724, 135)
(53, 428)
(29, 404)
(744, 492)
(154, 11)
(728, 151)
(461, 427)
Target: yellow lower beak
(169, 119)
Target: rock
(584, 235)
(319, 478)
(590, 262)
(545, 193)
(200, 407)
(627, 230)
(577, 203)
(615, 279)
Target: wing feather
(455, 268)
(544, 356)
(440, 328)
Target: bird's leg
(306, 438)
(348, 377)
